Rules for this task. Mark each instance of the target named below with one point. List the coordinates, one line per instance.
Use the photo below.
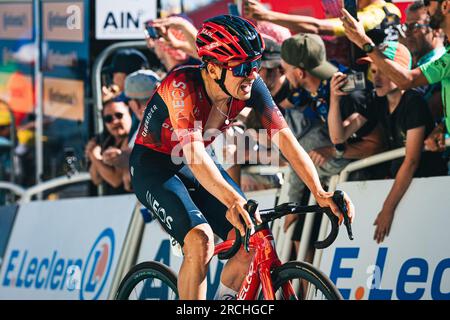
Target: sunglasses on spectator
(245, 69)
(411, 27)
(110, 117)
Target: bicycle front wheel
(297, 280)
(148, 281)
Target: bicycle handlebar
(293, 208)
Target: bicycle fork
(259, 273)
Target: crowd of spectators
(308, 81)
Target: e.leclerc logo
(56, 273)
(98, 265)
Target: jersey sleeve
(435, 71)
(262, 102)
(179, 95)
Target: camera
(355, 81)
(70, 162)
(151, 31)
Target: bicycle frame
(264, 260)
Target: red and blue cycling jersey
(177, 112)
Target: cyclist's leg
(236, 268)
(158, 187)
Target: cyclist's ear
(213, 70)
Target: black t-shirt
(360, 102)
(412, 112)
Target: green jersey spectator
(432, 72)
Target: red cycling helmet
(229, 38)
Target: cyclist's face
(240, 87)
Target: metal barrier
(97, 77)
(25, 195)
(16, 189)
(357, 165)
(51, 184)
(283, 239)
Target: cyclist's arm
(299, 160)
(207, 173)
(209, 176)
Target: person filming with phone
(406, 121)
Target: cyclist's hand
(325, 199)
(237, 210)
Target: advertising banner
(122, 20)
(412, 263)
(17, 56)
(156, 246)
(64, 98)
(7, 216)
(65, 58)
(66, 249)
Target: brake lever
(338, 198)
(251, 208)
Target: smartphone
(355, 81)
(350, 6)
(151, 31)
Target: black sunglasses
(245, 69)
(410, 27)
(110, 117)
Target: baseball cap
(307, 51)
(128, 61)
(141, 84)
(271, 57)
(394, 51)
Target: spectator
(6, 144)
(406, 121)
(179, 32)
(139, 87)
(371, 13)
(425, 44)
(176, 45)
(429, 73)
(101, 150)
(305, 65)
(276, 32)
(124, 62)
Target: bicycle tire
(307, 272)
(144, 272)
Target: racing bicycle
(267, 277)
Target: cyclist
(194, 200)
